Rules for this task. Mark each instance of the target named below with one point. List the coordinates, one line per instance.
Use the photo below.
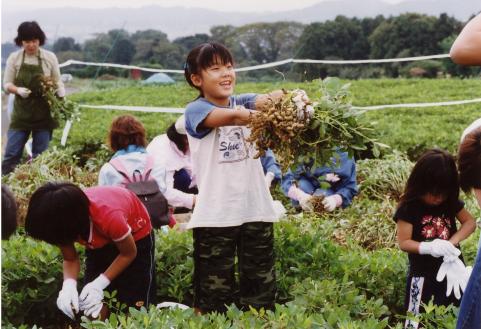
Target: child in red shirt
(114, 226)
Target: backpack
(147, 190)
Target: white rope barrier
(365, 108)
(412, 105)
(152, 109)
(266, 65)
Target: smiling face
(216, 82)
(31, 46)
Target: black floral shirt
(429, 223)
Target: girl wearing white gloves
(426, 230)
(114, 226)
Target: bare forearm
(120, 263)
(465, 230)
(226, 117)
(410, 246)
(466, 49)
(71, 269)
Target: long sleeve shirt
(270, 164)
(344, 167)
(172, 159)
(49, 65)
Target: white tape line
(411, 105)
(65, 132)
(136, 108)
(75, 62)
(266, 65)
(370, 61)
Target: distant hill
(82, 24)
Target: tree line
(378, 37)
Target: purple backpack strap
(118, 165)
(149, 164)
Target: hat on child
(180, 125)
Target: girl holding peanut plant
(234, 211)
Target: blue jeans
(16, 140)
(470, 310)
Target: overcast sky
(222, 5)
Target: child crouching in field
(114, 226)
(426, 230)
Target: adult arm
(466, 49)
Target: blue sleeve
(287, 181)
(347, 186)
(247, 100)
(269, 163)
(195, 114)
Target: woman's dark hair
(179, 140)
(58, 213)
(126, 130)
(204, 56)
(435, 173)
(469, 161)
(9, 213)
(29, 31)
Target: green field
(405, 129)
(340, 270)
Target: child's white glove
(456, 274)
(438, 248)
(332, 202)
(67, 300)
(269, 177)
(92, 295)
(23, 92)
(304, 199)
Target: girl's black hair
(179, 140)
(435, 172)
(9, 213)
(29, 31)
(58, 213)
(204, 56)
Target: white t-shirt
(232, 189)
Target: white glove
(332, 178)
(67, 300)
(304, 199)
(92, 295)
(269, 177)
(332, 202)
(61, 92)
(300, 98)
(438, 248)
(457, 275)
(279, 209)
(23, 92)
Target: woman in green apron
(31, 112)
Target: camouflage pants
(215, 283)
